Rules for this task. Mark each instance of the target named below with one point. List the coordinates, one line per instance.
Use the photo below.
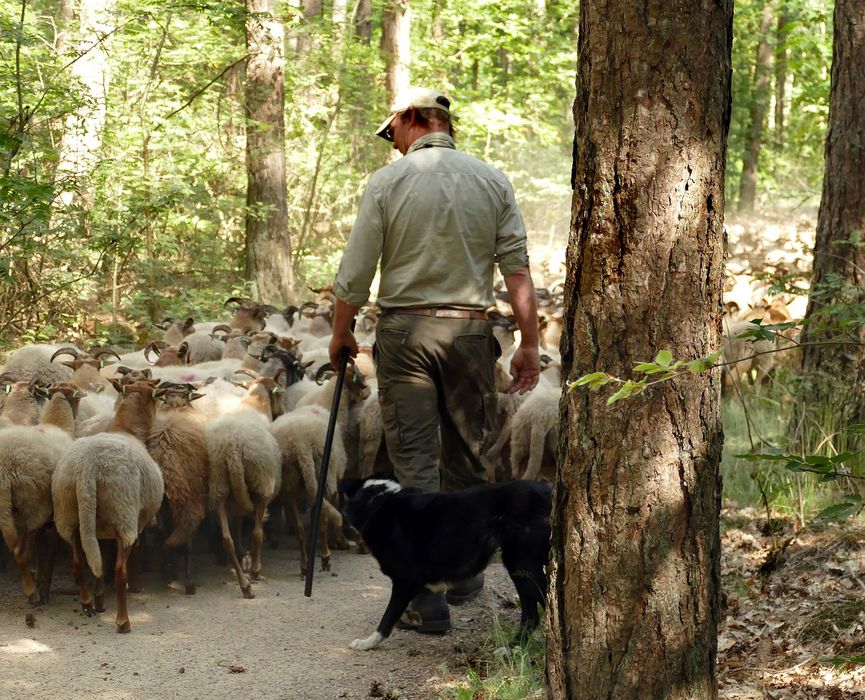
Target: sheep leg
(325, 547)
(340, 541)
(228, 546)
(536, 452)
(185, 557)
(46, 551)
(21, 553)
(301, 535)
(134, 568)
(120, 581)
(80, 571)
(257, 539)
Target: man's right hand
(337, 343)
(525, 369)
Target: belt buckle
(451, 313)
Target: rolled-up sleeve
(362, 252)
(511, 251)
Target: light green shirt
(438, 219)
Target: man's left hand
(525, 369)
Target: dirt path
(217, 645)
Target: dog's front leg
(401, 595)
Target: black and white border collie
(428, 540)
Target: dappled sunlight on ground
(789, 610)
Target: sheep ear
(73, 364)
(106, 363)
(41, 391)
(277, 390)
(76, 394)
(192, 396)
(97, 388)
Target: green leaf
(757, 457)
(841, 511)
(842, 457)
(664, 358)
(593, 381)
(843, 660)
(623, 393)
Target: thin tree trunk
(635, 565)
(363, 21)
(268, 245)
(305, 42)
(759, 107)
(65, 15)
(396, 46)
(82, 135)
(781, 74)
(839, 254)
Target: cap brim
(384, 125)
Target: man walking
(439, 220)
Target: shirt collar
(433, 139)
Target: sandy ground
(217, 645)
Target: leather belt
(437, 312)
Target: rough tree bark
(842, 217)
(757, 116)
(363, 21)
(396, 46)
(268, 244)
(635, 566)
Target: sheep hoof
(325, 563)
(34, 599)
(99, 604)
(87, 609)
(362, 548)
(247, 592)
(190, 589)
(255, 575)
(124, 627)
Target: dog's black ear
(348, 487)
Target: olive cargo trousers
(438, 398)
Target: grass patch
(830, 619)
(502, 669)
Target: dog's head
(365, 495)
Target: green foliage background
(164, 231)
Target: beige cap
(413, 98)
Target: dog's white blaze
(374, 640)
(389, 485)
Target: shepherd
(439, 220)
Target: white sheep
(108, 486)
(301, 437)
(534, 433)
(176, 442)
(245, 468)
(28, 459)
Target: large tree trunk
(396, 46)
(759, 107)
(635, 565)
(363, 21)
(838, 259)
(268, 245)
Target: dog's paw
(374, 640)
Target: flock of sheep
(218, 419)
